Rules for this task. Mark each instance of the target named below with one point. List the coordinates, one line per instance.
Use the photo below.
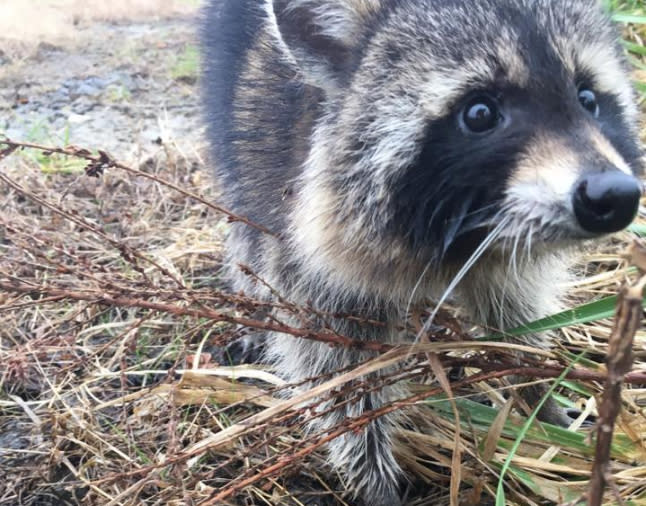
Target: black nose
(606, 202)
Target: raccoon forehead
(597, 57)
(401, 66)
(441, 51)
(510, 34)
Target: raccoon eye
(481, 114)
(589, 102)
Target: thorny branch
(333, 339)
(128, 253)
(117, 300)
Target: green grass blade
(550, 489)
(500, 492)
(634, 48)
(586, 313)
(479, 417)
(635, 19)
(639, 229)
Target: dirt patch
(82, 78)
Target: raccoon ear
(321, 34)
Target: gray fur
(319, 112)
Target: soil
(116, 84)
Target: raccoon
(403, 150)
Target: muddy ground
(117, 79)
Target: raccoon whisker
(506, 240)
(507, 248)
(528, 242)
(514, 257)
(454, 225)
(475, 256)
(501, 308)
(458, 231)
(470, 225)
(503, 294)
(483, 209)
(416, 287)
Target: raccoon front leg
(250, 347)
(244, 350)
(364, 457)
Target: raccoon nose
(606, 202)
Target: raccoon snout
(606, 202)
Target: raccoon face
(446, 120)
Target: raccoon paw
(574, 413)
(245, 350)
(551, 411)
(563, 417)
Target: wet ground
(117, 86)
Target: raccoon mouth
(600, 204)
(519, 235)
(466, 243)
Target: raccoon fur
(403, 150)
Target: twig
(544, 371)
(104, 160)
(128, 253)
(120, 301)
(619, 363)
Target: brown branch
(120, 301)
(619, 363)
(544, 371)
(102, 161)
(126, 251)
